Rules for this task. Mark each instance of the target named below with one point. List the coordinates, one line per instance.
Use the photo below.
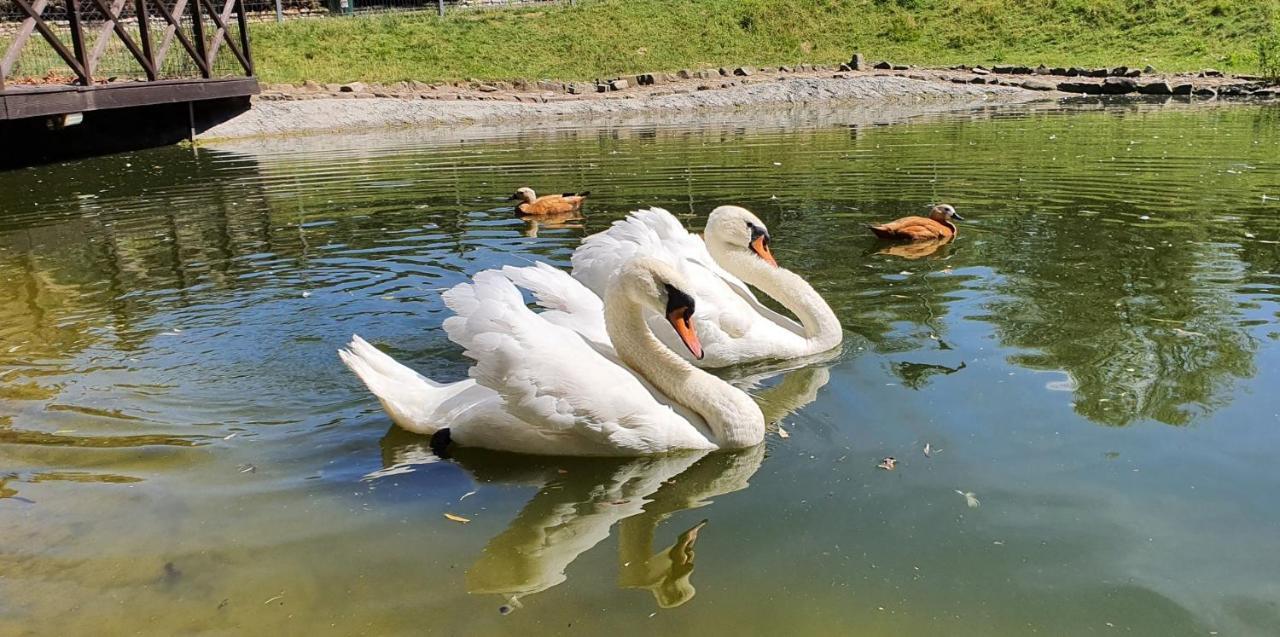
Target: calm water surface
(1095, 360)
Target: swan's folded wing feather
(550, 378)
(600, 256)
(740, 288)
(653, 232)
(568, 302)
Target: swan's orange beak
(760, 246)
(681, 320)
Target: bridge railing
(50, 43)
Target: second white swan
(733, 325)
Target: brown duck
(532, 204)
(936, 226)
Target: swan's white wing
(567, 301)
(720, 314)
(653, 232)
(571, 399)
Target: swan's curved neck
(735, 420)
(821, 327)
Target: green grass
(604, 38)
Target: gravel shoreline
(283, 117)
(288, 110)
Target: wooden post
(440, 7)
(244, 33)
(77, 40)
(279, 12)
(144, 34)
(197, 30)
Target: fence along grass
(281, 10)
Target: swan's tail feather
(409, 398)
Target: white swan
(536, 387)
(733, 325)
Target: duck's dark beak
(513, 197)
(956, 216)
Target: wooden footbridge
(67, 62)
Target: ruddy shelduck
(532, 204)
(936, 226)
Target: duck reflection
(10, 493)
(918, 250)
(579, 501)
(552, 221)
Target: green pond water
(1095, 359)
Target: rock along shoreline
(286, 110)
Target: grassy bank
(600, 38)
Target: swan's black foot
(440, 441)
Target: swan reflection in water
(581, 499)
